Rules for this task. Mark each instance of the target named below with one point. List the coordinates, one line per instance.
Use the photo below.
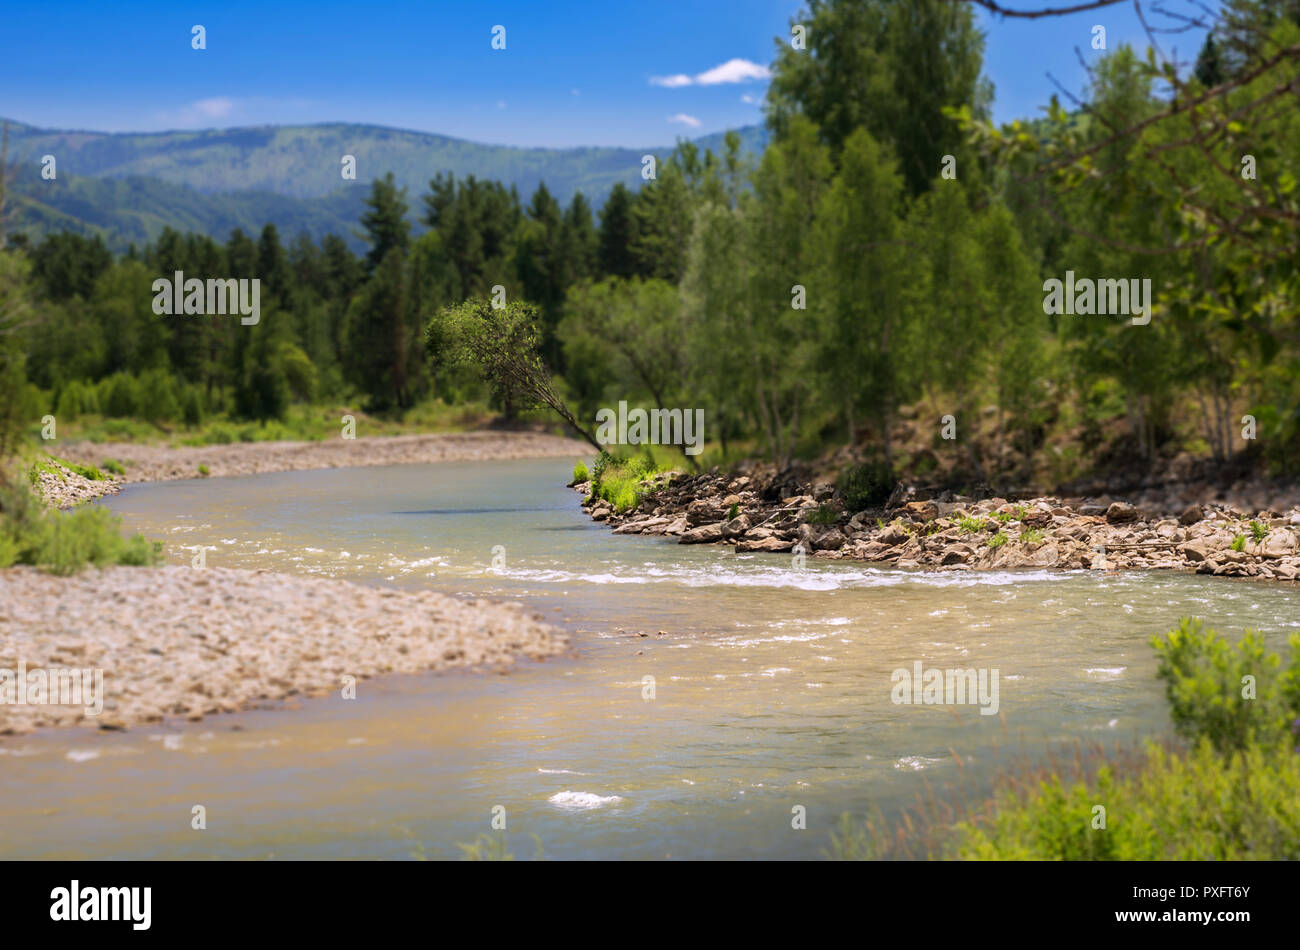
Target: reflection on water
(771, 685)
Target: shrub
(122, 396)
(1194, 807)
(204, 470)
(1258, 531)
(997, 540)
(113, 466)
(971, 525)
(866, 486)
(1209, 695)
(192, 408)
(77, 399)
(158, 397)
(733, 512)
(65, 542)
(1239, 543)
(580, 474)
(1031, 536)
(619, 481)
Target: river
(771, 685)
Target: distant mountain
(128, 186)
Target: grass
(1239, 543)
(302, 423)
(204, 471)
(50, 466)
(580, 474)
(65, 542)
(113, 467)
(997, 540)
(1031, 536)
(1231, 793)
(972, 525)
(1258, 531)
(623, 482)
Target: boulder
(704, 534)
(1191, 514)
(769, 544)
(831, 540)
(1121, 512)
(921, 510)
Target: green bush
(620, 481)
(971, 525)
(866, 486)
(76, 399)
(65, 542)
(158, 401)
(1201, 806)
(192, 408)
(113, 466)
(997, 540)
(580, 474)
(121, 396)
(1209, 694)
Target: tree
(385, 222)
(504, 345)
(617, 234)
(889, 66)
(859, 299)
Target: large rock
(1278, 544)
(770, 544)
(1191, 514)
(957, 554)
(831, 540)
(893, 534)
(735, 527)
(1121, 513)
(704, 534)
(921, 510)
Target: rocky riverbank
(180, 641)
(761, 512)
(154, 463)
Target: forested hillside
(881, 269)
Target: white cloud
(733, 70)
(671, 82)
(217, 107)
(685, 119)
(197, 114)
(749, 100)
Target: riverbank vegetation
(1229, 791)
(871, 289)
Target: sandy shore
(155, 463)
(180, 641)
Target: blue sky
(608, 73)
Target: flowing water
(771, 685)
